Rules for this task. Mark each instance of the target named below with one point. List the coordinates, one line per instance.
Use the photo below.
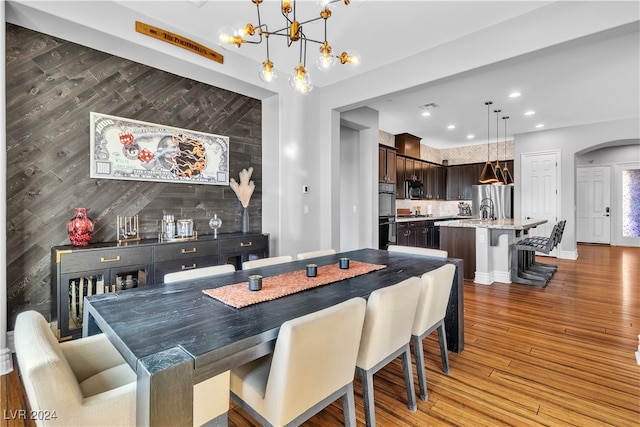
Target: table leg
(165, 389)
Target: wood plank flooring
(558, 356)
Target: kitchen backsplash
(455, 156)
(429, 207)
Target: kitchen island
(484, 245)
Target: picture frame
(127, 149)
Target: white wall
(349, 188)
(570, 141)
(630, 152)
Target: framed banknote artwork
(134, 150)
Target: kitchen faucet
(484, 207)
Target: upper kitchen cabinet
(434, 178)
(460, 178)
(386, 164)
(408, 144)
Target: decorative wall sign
(134, 150)
(180, 41)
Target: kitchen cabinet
(434, 178)
(386, 165)
(460, 179)
(100, 268)
(408, 144)
(420, 234)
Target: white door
(593, 214)
(539, 184)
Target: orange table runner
(238, 295)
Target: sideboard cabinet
(99, 268)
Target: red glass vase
(80, 227)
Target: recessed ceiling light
(471, 136)
(451, 127)
(425, 113)
(529, 113)
(540, 125)
(514, 94)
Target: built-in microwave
(413, 189)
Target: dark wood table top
(150, 320)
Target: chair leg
(408, 380)
(349, 407)
(418, 354)
(444, 354)
(366, 378)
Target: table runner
(238, 295)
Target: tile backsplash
(458, 155)
(430, 207)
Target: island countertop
(500, 224)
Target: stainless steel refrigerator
(497, 200)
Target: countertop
(501, 224)
(430, 218)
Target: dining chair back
(315, 254)
(432, 307)
(418, 251)
(198, 273)
(263, 262)
(386, 334)
(311, 366)
(85, 381)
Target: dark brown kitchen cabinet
(461, 178)
(434, 178)
(77, 272)
(386, 165)
(408, 144)
(411, 233)
(420, 234)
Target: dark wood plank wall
(51, 86)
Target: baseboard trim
(6, 361)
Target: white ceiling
(588, 80)
(583, 82)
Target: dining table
(174, 335)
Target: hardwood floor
(558, 356)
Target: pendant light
(508, 179)
(488, 175)
(497, 168)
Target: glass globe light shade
(267, 73)
(227, 35)
(300, 80)
(325, 60)
(350, 59)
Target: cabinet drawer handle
(189, 267)
(189, 251)
(246, 244)
(103, 259)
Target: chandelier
(293, 32)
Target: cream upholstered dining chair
(385, 336)
(263, 262)
(418, 251)
(315, 254)
(198, 273)
(312, 365)
(432, 308)
(88, 383)
(85, 381)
